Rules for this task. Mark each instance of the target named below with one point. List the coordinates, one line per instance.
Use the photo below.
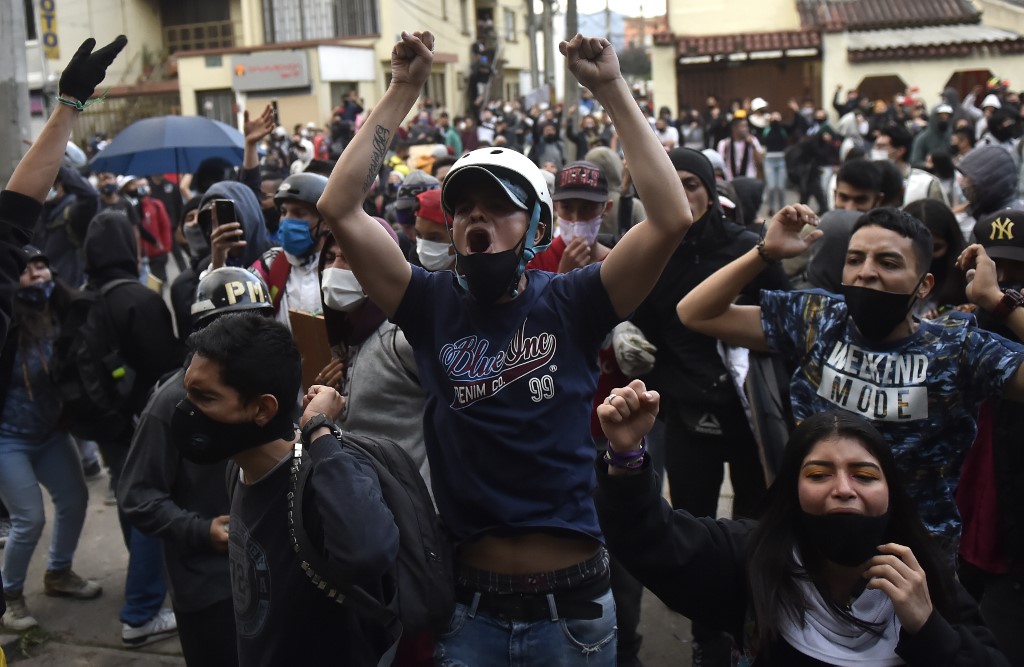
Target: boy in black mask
(239, 406)
(920, 382)
(508, 358)
(185, 504)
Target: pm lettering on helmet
(237, 288)
(1002, 230)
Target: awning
(951, 41)
(756, 46)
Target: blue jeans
(144, 585)
(775, 181)
(24, 465)
(478, 639)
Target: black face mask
(206, 441)
(489, 276)
(37, 295)
(844, 539)
(877, 313)
(272, 219)
(941, 125)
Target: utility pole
(14, 115)
(607, 20)
(572, 88)
(549, 54)
(531, 32)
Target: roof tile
(840, 15)
(711, 45)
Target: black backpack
(425, 596)
(94, 383)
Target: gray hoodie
(249, 214)
(993, 177)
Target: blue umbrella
(169, 144)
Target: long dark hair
(950, 282)
(772, 567)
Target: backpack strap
(322, 573)
(409, 372)
(275, 275)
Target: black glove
(87, 69)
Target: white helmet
(517, 175)
(74, 156)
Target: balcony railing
(193, 36)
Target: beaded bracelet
(762, 253)
(631, 460)
(81, 106)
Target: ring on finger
(611, 397)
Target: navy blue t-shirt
(509, 389)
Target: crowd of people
(547, 312)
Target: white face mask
(587, 229)
(341, 290)
(863, 127)
(877, 154)
(433, 255)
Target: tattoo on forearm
(380, 147)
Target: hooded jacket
(687, 368)
(141, 321)
(62, 227)
(993, 178)
(932, 139)
(254, 230)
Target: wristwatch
(316, 422)
(1012, 299)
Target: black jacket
(166, 496)
(17, 215)
(143, 323)
(698, 567)
(687, 368)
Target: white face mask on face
(341, 290)
(433, 255)
(587, 229)
(878, 154)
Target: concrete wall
(1000, 14)
(105, 20)
(721, 17)
(441, 17)
(663, 74)
(928, 75)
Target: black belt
(531, 607)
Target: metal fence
(117, 113)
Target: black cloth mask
(876, 313)
(844, 539)
(37, 295)
(272, 219)
(488, 276)
(206, 441)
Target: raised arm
(36, 172)
(634, 265)
(983, 290)
(709, 307)
(376, 260)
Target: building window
(464, 16)
(356, 18)
(435, 88)
(300, 20)
(510, 25)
